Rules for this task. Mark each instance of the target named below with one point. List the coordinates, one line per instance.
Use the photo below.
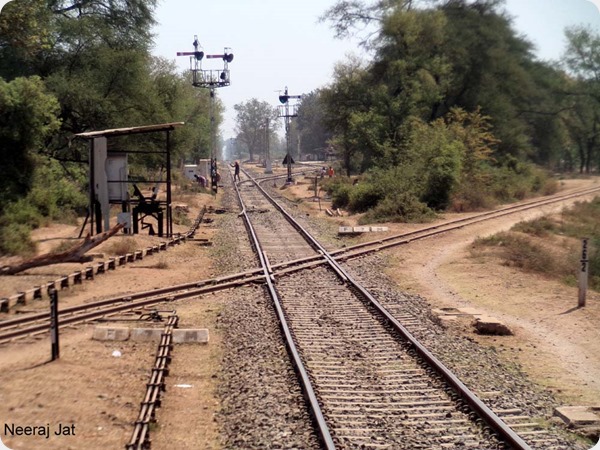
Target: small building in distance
(202, 169)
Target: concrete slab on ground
(196, 335)
(378, 229)
(470, 311)
(483, 323)
(579, 416)
(491, 325)
(111, 333)
(180, 336)
(359, 230)
(146, 334)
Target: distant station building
(202, 169)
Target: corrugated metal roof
(131, 130)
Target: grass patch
(64, 246)
(122, 247)
(540, 227)
(162, 264)
(15, 239)
(582, 220)
(181, 218)
(520, 251)
(518, 247)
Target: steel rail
(505, 433)
(82, 313)
(283, 268)
(140, 438)
(276, 177)
(79, 276)
(459, 223)
(305, 383)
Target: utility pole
(268, 167)
(211, 80)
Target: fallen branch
(74, 254)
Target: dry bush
(122, 246)
(531, 253)
(541, 227)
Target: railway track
(373, 388)
(370, 384)
(33, 324)
(280, 265)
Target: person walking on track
(236, 171)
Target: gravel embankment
(481, 369)
(261, 403)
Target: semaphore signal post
(210, 79)
(288, 110)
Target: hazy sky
(278, 43)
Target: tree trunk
(581, 156)
(74, 254)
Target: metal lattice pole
(210, 79)
(213, 143)
(288, 111)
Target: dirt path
(89, 389)
(555, 342)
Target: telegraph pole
(268, 167)
(287, 111)
(211, 80)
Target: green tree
(251, 120)
(311, 124)
(582, 59)
(343, 100)
(93, 56)
(454, 53)
(29, 117)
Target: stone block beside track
(111, 333)
(490, 325)
(197, 335)
(146, 334)
(579, 416)
(180, 336)
(359, 230)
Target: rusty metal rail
(39, 323)
(364, 248)
(99, 268)
(140, 439)
(405, 238)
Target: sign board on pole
(54, 324)
(583, 272)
